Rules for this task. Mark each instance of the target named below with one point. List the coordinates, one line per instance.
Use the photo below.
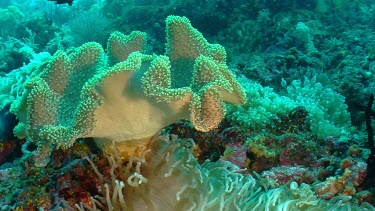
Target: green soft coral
(9, 18)
(127, 96)
(328, 114)
(10, 15)
(327, 111)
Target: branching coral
(125, 95)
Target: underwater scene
(177, 105)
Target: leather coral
(125, 95)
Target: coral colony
(95, 115)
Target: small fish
(228, 152)
(69, 2)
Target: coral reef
(112, 119)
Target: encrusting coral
(127, 96)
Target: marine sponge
(127, 96)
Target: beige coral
(127, 96)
